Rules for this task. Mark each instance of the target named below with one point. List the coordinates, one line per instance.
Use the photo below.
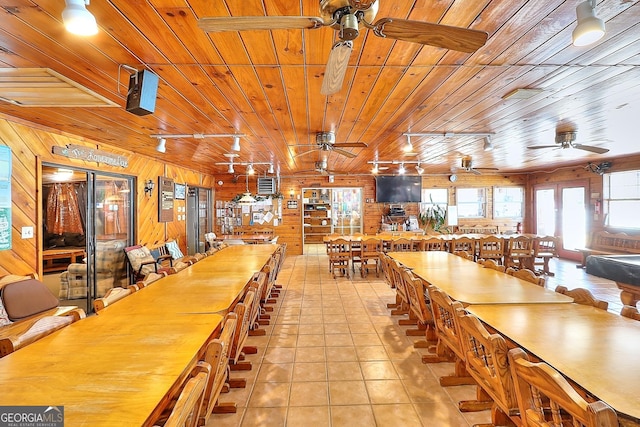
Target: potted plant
(433, 218)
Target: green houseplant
(433, 218)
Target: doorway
(561, 211)
(198, 218)
(87, 223)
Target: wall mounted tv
(398, 189)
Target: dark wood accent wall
(32, 145)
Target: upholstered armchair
(110, 272)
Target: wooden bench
(605, 243)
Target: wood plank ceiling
(266, 84)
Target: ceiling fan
(566, 140)
(467, 166)
(321, 167)
(326, 141)
(348, 16)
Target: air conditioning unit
(266, 186)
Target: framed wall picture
(179, 191)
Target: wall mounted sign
(5, 198)
(179, 191)
(292, 204)
(91, 155)
(165, 202)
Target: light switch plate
(27, 232)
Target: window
(621, 191)
(434, 197)
(508, 202)
(471, 202)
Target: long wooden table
(471, 283)
(118, 368)
(596, 349)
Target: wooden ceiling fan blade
(344, 152)
(350, 145)
(243, 23)
(537, 147)
(591, 148)
(305, 153)
(445, 36)
(475, 171)
(336, 67)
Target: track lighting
(590, 28)
(270, 168)
(250, 170)
(77, 19)
(375, 169)
(419, 169)
(401, 169)
(162, 145)
(230, 170)
(488, 145)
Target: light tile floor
(333, 356)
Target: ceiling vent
(266, 185)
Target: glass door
(198, 218)
(111, 207)
(561, 211)
(347, 210)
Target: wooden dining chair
(402, 244)
(370, 256)
(432, 244)
(465, 244)
(519, 252)
(491, 247)
(113, 295)
(419, 307)
(493, 264)
(630, 312)
(402, 298)
(238, 348)
(527, 275)
(486, 361)
(217, 356)
(187, 409)
(545, 248)
(339, 251)
(546, 398)
(449, 347)
(464, 254)
(582, 296)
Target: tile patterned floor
(333, 356)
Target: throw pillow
(139, 256)
(4, 317)
(174, 249)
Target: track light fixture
(590, 28)
(162, 145)
(270, 168)
(401, 169)
(236, 144)
(488, 145)
(419, 169)
(408, 147)
(77, 19)
(250, 170)
(375, 169)
(230, 169)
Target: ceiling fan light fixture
(162, 145)
(77, 19)
(236, 144)
(488, 145)
(590, 28)
(349, 27)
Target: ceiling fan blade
(241, 23)
(475, 171)
(536, 147)
(350, 145)
(591, 148)
(304, 153)
(454, 38)
(336, 67)
(486, 169)
(344, 152)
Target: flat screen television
(398, 189)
